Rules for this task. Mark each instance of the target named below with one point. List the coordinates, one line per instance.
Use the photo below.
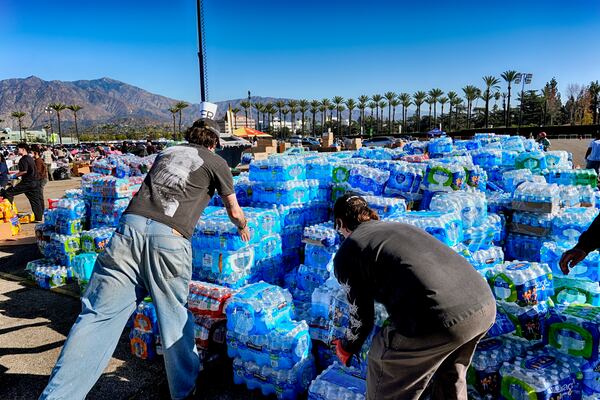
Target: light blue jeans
(143, 257)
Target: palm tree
(471, 93)
(443, 100)
(325, 103)
(331, 108)
(394, 103)
(173, 110)
(314, 108)
(246, 105)
(19, 116)
(280, 104)
(372, 105)
(293, 106)
(75, 108)
(509, 76)
(456, 103)
(377, 98)
(452, 96)
(406, 102)
(351, 104)
(419, 99)
(362, 104)
(338, 100)
(285, 112)
(390, 96)
(491, 82)
(180, 105)
(303, 104)
(323, 109)
(431, 101)
(58, 107)
(270, 110)
(260, 108)
(340, 109)
(382, 105)
(435, 94)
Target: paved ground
(34, 324)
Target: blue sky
(301, 49)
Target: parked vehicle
(380, 141)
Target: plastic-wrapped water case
(588, 269)
(471, 206)
(368, 180)
(534, 224)
(575, 291)
(277, 169)
(258, 308)
(207, 299)
(543, 374)
(534, 161)
(536, 197)
(557, 159)
(570, 223)
(95, 240)
(579, 177)
(529, 321)
(491, 354)
(524, 283)
(284, 384)
(446, 227)
(405, 177)
(444, 177)
(231, 268)
(386, 206)
(574, 329)
(523, 247)
(338, 382)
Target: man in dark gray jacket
(439, 307)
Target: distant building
(239, 121)
(8, 135)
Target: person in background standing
(3, 172)
(150, 149)
(48, 158)
(40, 165)
(543, 141)
(29, 185)
(592, 155)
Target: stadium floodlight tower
(524, 78)
(201, 50)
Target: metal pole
(201, 50)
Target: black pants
(33, 191)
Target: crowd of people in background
(27, 168)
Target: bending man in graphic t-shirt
(150, 253)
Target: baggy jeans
(403, 367)
(143, 257)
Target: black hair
(35, 148)
(24, 146)
(203, 132)
(352, 210)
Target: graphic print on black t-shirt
(174, 168)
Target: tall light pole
(523, 78)
(201, 50)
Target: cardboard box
(543, 208)
(260, 156)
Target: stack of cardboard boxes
(264, 147)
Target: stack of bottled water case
(220, 256)
(445, 226)
(207, 303)
(271, 351)
(108, 197)
(490, 356)
(543, 374)
(144, 337)
(47, 274)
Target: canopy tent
(246, 132)
(436, 132)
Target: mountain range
(102, 100)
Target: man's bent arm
(234, 211)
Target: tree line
(474, 107)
